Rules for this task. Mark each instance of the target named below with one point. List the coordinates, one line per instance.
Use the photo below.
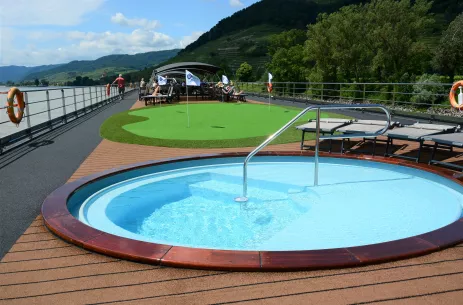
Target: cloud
(78, 45)
(49, 12)
(186, 40)
(236, 3)
(120, 19)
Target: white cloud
(77, 45)
(186, 40)
(236, 3)
(49, 12)
(120, 19)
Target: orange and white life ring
(108, 88)
(269, 87)
(452, 95)
(12, 94)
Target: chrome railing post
(317, 142)
(48, 107)
(63, 101)
(75, 101)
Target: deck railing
(49, 108)
(417, 95)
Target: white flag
(224, 80)
(162, 80)
(270, 77)
(192, 80)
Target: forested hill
(109, 64)
(287, 14)
(297, 14)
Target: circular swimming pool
(188, 205)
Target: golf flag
(192, 80)
(224, 80)
(162, 80)
(270, 77)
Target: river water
(38, 106)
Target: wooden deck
(42, 269)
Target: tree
(244, 72)
(44, 82)
(286, 40)
(36, 82)
(448, 58)
(379, 40)
(395, 36)
(287, 51)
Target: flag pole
(187, 107)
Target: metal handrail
(317, 138)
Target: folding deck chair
(445, 141)
(327, 126)
(168, 97)
(365, 127)
(415, 133)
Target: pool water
(192, 204)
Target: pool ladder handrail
(317, 137)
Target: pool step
(228, 191)
(252, 182)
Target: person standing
(121, 85)
(142, 91)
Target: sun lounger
(365, 127)
(167, 98)
(445, 141)
(416, 133)
(327, 126)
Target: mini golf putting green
(210, 125)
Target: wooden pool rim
(59, 220)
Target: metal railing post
(322, 91)
(83, 100)
(48, 108)
(75, 101)
(63, 102)
(294, 90)
(317, 142)
(393, 95)
(364, 89)
(340, 92)
(91, 104)
(28, 117)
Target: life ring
(452, 94)
(269, 87)
(12, 94)
(108, 88)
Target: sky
(34, 32)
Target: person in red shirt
(121, 85)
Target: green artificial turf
(210, 125)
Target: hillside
(110, 64)
(244, 35)
(17, 73)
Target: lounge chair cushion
(326, 125)
(365, 126)
(433, 126)
(452, 139)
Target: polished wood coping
(59, 220)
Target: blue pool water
(192, 204)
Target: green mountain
(111, 64)
(244, 36)
(17, 73)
